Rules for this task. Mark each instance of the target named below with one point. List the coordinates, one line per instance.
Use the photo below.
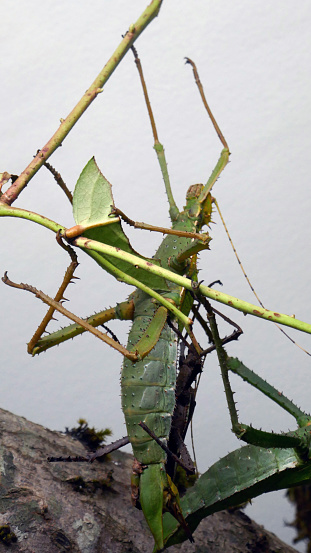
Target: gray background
(254, 62)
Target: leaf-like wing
(243, 474)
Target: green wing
(239, 476)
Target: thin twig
(165, 448)
(61, 183)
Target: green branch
(9, 211)
(96, 87)
(235, 303)
(92, 245)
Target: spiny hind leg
(244, 432)
(133, 356)
(122, 311)
(37, 344)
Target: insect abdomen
(148, 387)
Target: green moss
(92, 439)
(6, 535)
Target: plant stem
(231, 301)
(66, 125)
(93, 246)
(9, 211)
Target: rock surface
(86, 508)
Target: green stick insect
(165, 287)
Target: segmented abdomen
(148, 386)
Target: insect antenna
(249, 282)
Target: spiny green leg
(237, 367)
(239, 476)
(148, 340)
(122, 311)
(244, 432)
(133, 356)
(173, 210)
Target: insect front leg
(159, 149)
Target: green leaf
(92, 201)
(92, 197)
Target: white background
(254, 63)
